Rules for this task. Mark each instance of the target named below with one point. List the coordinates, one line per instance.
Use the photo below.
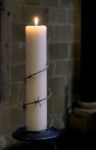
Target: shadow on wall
(76, 51)
(72, 90)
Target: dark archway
(88, 52)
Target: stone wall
(62, 18)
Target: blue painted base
(24, 135)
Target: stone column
(88, 56)
(84, 116)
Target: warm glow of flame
(36, 20)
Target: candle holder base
(28, 136)
(24, 135)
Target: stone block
(17, 117)
(18, 54)
(69, 86)
(75, 49)
(15, 12)
(60, 33)
(14, 94)
(57, 86)
(57, 15)
(3, 142)
(57, 120)
(59, 105)
(21, 92)
(18, 33)
(4, 120)
(74, 16)
(77, 33)
(83, 120)
(19, 2)
(29, 12)
(32, 2)
(58, 51)
(5, 81)
(51, 69)
(58, 123)
(49, 3)
(18, 73)
(5, 50)
(64, 67)
(69, 4)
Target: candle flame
(36, 20)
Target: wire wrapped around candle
(38, 100)
(30, 76)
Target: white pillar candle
(36, 60)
